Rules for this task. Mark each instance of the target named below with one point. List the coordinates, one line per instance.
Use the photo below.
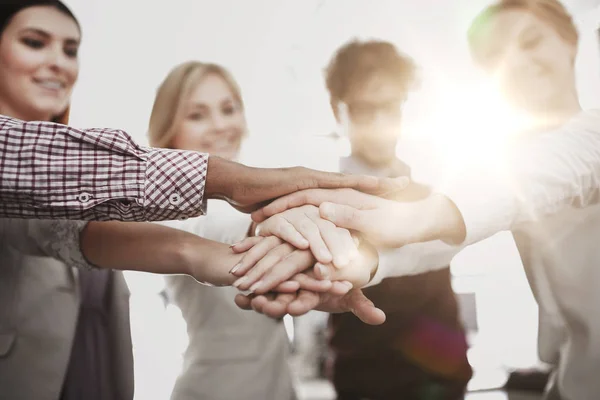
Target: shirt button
(175, 199)
(84, 197)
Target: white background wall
(277, 49)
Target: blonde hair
(552, 12)
(172, 94)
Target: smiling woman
(38, 59)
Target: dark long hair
(9, 8)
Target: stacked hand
(248, 189)
(302, 262)
(314, 247)
(322, 221)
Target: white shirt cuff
(486, 204)
(414, 259)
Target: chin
(45, 108)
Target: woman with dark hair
(64, 332)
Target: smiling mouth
(50, 84)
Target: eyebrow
(45, 34)
(205, 105)
(531, 29)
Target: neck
(9, 111)
(566, 109)
(389, 162)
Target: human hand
(379, 220)
(248, 189)
(263, 267)
(384, 223)
(296, 304)
(264, 253)
(304, 228)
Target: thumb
(364, 308)
(343, 216)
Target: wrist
(433, 218)
(446, 222)
(218, 178)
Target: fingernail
(235, 268)
(255, 287)
(349, 284)
(328, 210)
(240, 282)
(322, 271)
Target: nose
(219, 122)
(57, 59)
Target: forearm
(157, 249)
(52, 171)
(137, 247)
(538, 178)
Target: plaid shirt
(52, 171)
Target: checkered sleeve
(52, 171)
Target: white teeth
(52, 85)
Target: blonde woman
(231, 353)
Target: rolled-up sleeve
(541, 176)
(52, 171)
(414, 259)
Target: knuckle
(305, 225)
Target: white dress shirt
(547, 193)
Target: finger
(297, 261)
(340, 288)
(246, 244)
(304, 302)
(243, 301)
(347, 217)
(278, 307)
(311, 284)
(364, 308)
(356, 274)
(254, 255)
(338, 241)
(309, 229)
(363, 183)
(324, 271)
(250, 280)
(283, 229)
(259, 302)
(314, 197)
(290, 286)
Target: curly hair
(356, 62)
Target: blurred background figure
(530, 48)
(421, 350)
(231, 353)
